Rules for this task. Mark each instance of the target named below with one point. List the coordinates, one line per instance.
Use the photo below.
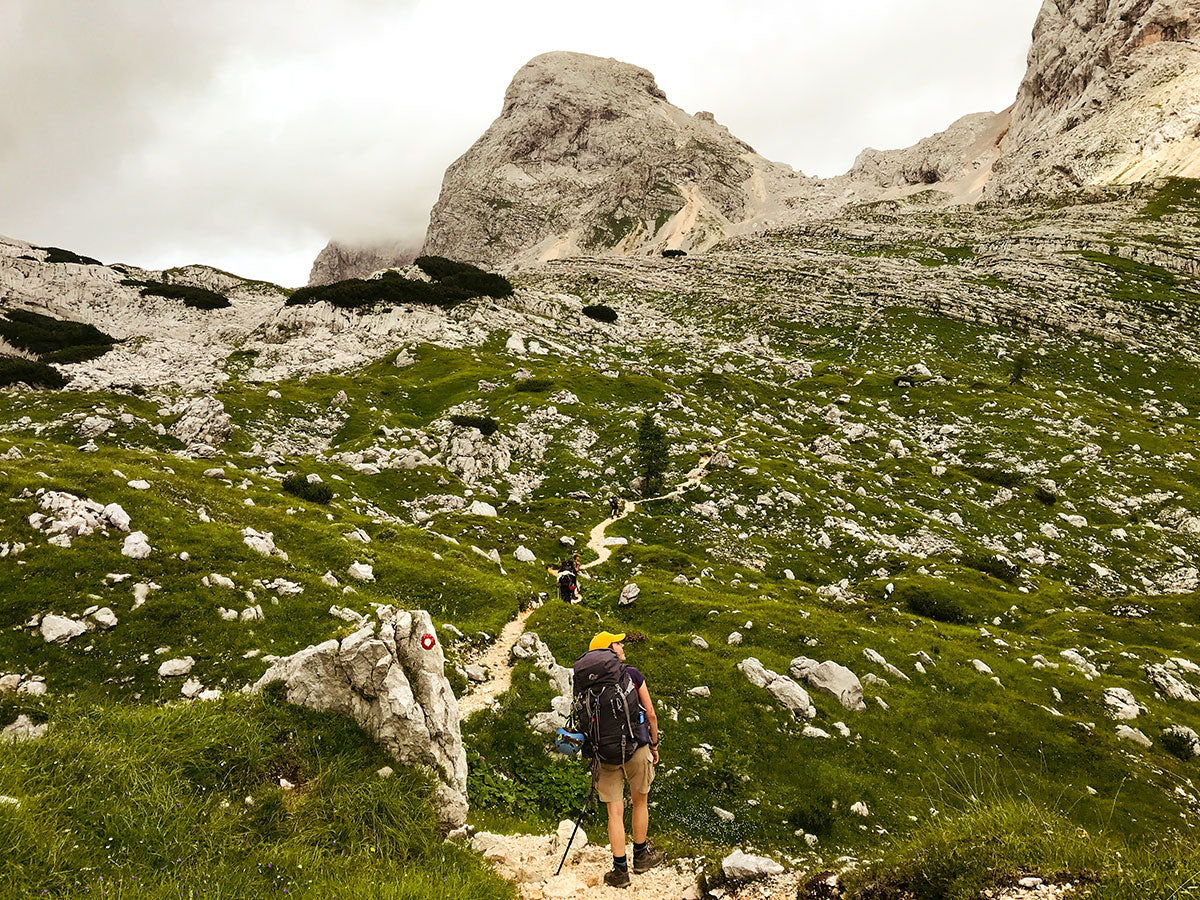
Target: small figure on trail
(614, 507)
(612, 708)
(568, 583)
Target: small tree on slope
(653, 452)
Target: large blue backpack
(605, 708)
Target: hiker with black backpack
(613, 710)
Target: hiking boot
(617, 878)
(644, 862)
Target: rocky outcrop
(202, 422)
(832, 679)
(588, 157)
(390, 678)
(789, 694)
(1111, 95)
(339, 261)
(957, 161)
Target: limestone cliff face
(957, 161)
(588, 156)
(339, 261)
(1111, 95)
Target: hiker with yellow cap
(614, 712)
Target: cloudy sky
(246, 133)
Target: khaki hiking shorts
(639, 772)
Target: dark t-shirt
(638, 678)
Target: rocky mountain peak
(1111, 95)
(588, 156)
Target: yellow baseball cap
(604, 639)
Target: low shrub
(1179, 743)
(391, 287)
(1045, 495)
(14, 370)
(671, 254)
(298, 485)
(485, 425)
(600, 312)
(464, 276)
(993, 565)
(59, 255)
(928, 601)
(45, 336)
(534, 385)
(195, 297)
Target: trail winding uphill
(496, 660)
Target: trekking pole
(587, 805)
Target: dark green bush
(670, 254)
(195, 297)
(359, 293)
(928, 601)
(298, 485)
(1045, 495)
(534, 385)
(14, 370)
(484, 424)
(464, 276)
(45, 335)
(600, 312)
(77, 354)
(1177, 744)
(59, 255)
(992, 565)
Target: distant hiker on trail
(612, 708)
(568, 583)
(614, 507)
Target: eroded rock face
(390, 678)
(588, 156)
(339, 261)
(1111, 95)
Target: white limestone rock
(176, 668)
(786, 691)
(830, 678)
(741, 866)
(60, 629)
(390, 679)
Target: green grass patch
(186, 800)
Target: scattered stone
(60, 629)
(740, 866)
(831, 679)
(175, 668)
(629, 594)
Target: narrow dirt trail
(495, 659)
(495, 663)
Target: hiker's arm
(651, 716)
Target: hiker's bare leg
(641, 816)
(616, 826)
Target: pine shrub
(14, 370)
(600, 312)
(485, 425)
(47, 336)
(927, 601)
(298, 485)
(195, 297)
